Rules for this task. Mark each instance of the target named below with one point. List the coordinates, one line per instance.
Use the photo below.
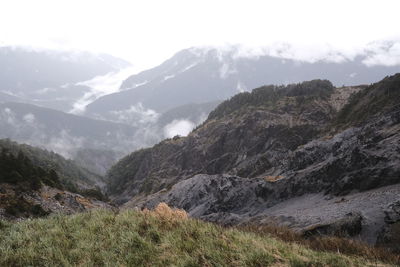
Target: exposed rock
(392, 213)
(348, 226)
(17, 204)
(341, 96)
(390, 235)
(250, 141)
(282, 154)
(232, 200)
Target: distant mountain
(204, 75)
(4, 97)
(96, 160)
(95, 144)
(49, 78)
(62, 132)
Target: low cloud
(100, 86)
(383, 53)
(178, 127)
(64, 144)
(29, 118)
(136, 115)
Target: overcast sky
(147, 32)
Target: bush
(94, 193)
(165, 213)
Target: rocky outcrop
(392, 213)
(232, 200)
(239, 139)
(17, 204)
(265, 156)
(350, 225)
(390, 235)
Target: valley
(187, 148)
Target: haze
(148, 32)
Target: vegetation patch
(20, 170)
(163, 237)
(327, 243)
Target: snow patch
(138, 84)
(45, 91)
(189, 67)
(225, 71)
(168, 77)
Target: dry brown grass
(327, 243)
(272, 179)
(165, 213)
(85, 202)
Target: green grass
(133, 238)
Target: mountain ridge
(220, 75)
(277, 144)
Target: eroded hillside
(275, 144)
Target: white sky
(149, 31)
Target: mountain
(62, 132)
(4, 97)
(317, 158)
(50, 78)
(71, 176)
(200, 75)
(36, 182)
(96, 160)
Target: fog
(148, 32)
(178, 60)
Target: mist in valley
(233, 112)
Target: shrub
(165, 213)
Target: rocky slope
(241, 136)
(17, 203)
(302, 146)
(35, 183)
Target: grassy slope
(133, 238)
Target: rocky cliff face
(303, 155)
(242, 140)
